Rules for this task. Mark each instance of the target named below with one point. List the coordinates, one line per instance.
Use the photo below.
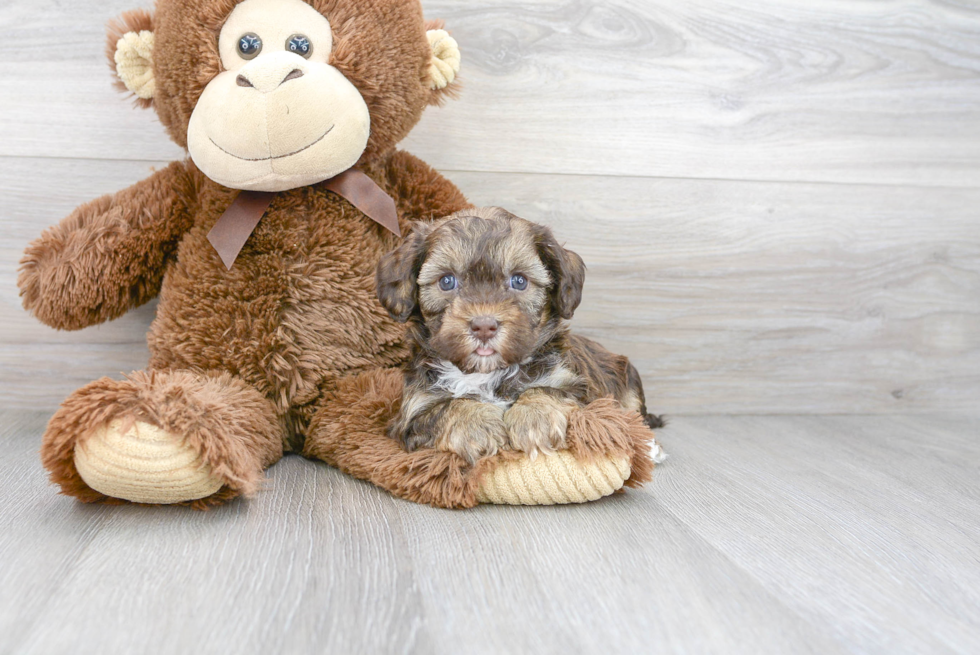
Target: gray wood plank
(776, 90)
(852, 534)
(41, 535)
(773, 90)
(312, 565)
(620, 575)
(732, 297)
(857, 523)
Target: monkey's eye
(518, 282)
(249, 45)
(300, 45)
(447, 282)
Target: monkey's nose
(293, 74)
(241, 80)
(484, 327)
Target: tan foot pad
(143, 464)
(554, 479)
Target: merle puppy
(493, 366)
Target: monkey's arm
(421, 192)
(109, 255)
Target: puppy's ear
(398, 272)
(567, 269)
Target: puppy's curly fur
(493, 365)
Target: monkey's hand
(537, 421)
(109, 255)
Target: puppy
(485, 294)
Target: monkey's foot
(162, 437)
(607, 448)
(144, 464)
(557, 478)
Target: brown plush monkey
(262, 247)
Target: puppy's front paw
(537, 423)
(472, 430)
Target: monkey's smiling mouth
(288, 154)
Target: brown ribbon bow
(235, 226)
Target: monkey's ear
(398, 273)
(567, 269)
(444, 64)
(129, 47)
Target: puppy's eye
(249, 45)
(447, 282)
(518, 282)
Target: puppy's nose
(484, 327)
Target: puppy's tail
(653, 421)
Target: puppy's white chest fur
(479, 386)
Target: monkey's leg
(348, 431)
(608, 447)
(162, 437)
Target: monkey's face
(490, 288)
(279, 115)
(271, 95)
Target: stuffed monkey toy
(262, 247)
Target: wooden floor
(758, 535)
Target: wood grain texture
(730, 297)
(853, 522)
(855, 534)
(843, 91)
